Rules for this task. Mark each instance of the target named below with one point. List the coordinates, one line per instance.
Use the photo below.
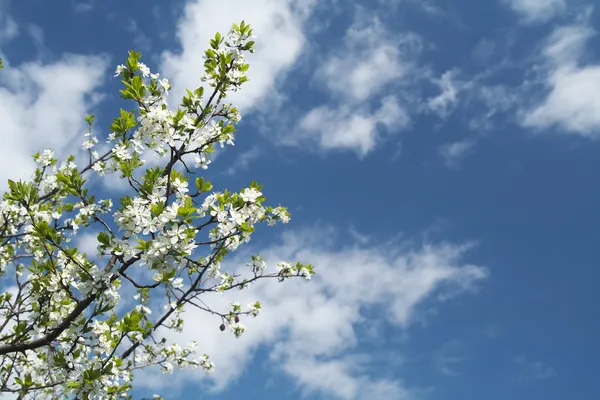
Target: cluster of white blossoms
(67, 334)
(238, 41)
(287, 270)
(91, 142)
(254, 309)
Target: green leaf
(199, 184)
(126, 201)
(104, 238)
(138, 87)
(128, 166)
(28, 380)
(133, 59)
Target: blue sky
(440, 160)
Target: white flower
(144, 69)
(180, 186)
(177, 283)
(157, 277)
(257, 264)
(88, 144)
(237, 217)
(167, 367)
(122, 152)
(282, 214)
(99, 167)
(250, 195)
(214, 271)
(254, 309)
(119, 70)
(207, 364)
(238, 329)
(164, 83)
(286, 269)
(305, 273)
(202, 161)
(45, 158)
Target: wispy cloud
(573, 99)
(370, 57)
(537, 11)
(444, 103)
(483, 50)
(498, 100)
(533, 370)
(492, 331)
(373, 59)
(348, 128)
(243, 160)
(83, 6)
(310, 329)
(447, 358)
(9, 29)
(141, 41)
(36, 34)
(453, 153)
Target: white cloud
(566, 45)
(444, 103)
(9, 29)
(447, 358)
(372, 59)
(498, 99)
(277, 24)
(537, 11)
(82, 6)
(533, 370)
(349, 128)
(310, 328)
(573, 104)
(43, 106)
(87, 242)
(573, 101)
(452, 153)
